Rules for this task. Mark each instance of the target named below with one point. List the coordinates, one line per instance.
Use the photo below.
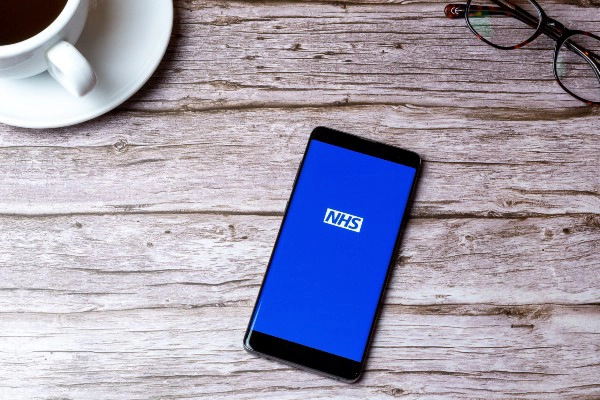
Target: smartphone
(324, 285)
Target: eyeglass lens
(504, 23)
(578, 66)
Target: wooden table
(133, 246)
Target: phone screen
(331, 259)
(327, 272)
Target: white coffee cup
(52, 49)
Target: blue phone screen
(330, 262)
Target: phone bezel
(305, 357)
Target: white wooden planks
(132, 247)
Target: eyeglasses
(511, 24)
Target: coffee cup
(46, 42)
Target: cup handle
(70, 69)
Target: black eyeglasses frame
(545, 25)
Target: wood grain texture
(257, 54)
(119, 262)
(494, 164)
(521, 352)
(132, 247)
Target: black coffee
(22, 19)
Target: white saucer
(124, 40)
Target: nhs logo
(343, 220)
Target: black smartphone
(325, 281)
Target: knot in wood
(121, 146)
